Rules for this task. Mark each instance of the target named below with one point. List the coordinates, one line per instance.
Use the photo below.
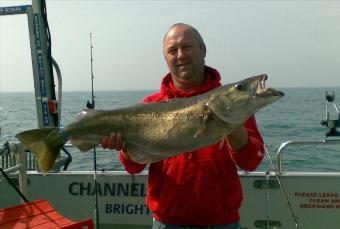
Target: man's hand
(115, 141)
(238, 138)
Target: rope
(62, 133)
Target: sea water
(295, 117)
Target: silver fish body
(158, 130)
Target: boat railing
(14, 157)
(282, 149)
(8, 158)
(16, 160)
(9, 154)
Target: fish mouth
(262, 91)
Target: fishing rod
(283, 190)
(91, 105)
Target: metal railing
(14, 157)
(284, 145)
(8, 157)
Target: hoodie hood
(169, 91)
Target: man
(199, 189)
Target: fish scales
(158, 130)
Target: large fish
(158, 130)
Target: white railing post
(22, 161)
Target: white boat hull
(314, 198)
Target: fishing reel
(332, 124)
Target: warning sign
(319, 200)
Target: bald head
(184, 52)
(189, 27)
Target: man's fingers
(112, 141)
(118, 143)
(104, 142)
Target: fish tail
(45, 144)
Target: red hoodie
(202, 187)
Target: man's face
(185, 57)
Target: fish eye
(240, 86)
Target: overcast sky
(297, 43)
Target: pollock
(158, 130)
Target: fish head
(234, 103)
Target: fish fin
(85, 143)
(84, 113)
(45, 149)
(203, 125)
(222, 142)
(216, 110)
